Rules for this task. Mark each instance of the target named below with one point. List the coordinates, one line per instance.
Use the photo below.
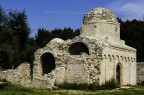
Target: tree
(67, 33)
(42, 38)
(77, 32)
(133, 34)
(14, 37)
(19, 25)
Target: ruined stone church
(96, 56)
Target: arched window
(78, 48)
(47, 62)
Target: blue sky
(50, 14)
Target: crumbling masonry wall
(83, 67)
(19, 75)
(140, 72)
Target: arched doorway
(47, 62)
(118, 74)
(77, 48)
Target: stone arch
(119, 73)
(47, 63)
(131, 59)
(121, 58)
(128, 59)
(109, 57)
(113, 56)
(78, 48)
(104, 57)
(134, 59)
(117, 58)
(125, 59)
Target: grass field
(11, 89)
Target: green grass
(134, 90)
(84, 86)
(12, 89)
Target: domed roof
(99, 15)
(57, 40)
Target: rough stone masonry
(96, 56)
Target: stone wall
(19, 75)
(140, 72)
(76, 71)
(82, 67)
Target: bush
(141, 83)
(111, 84)
(3, 85)
(8, 88)
(3, 80)
(11, 87)
(84, 86)
(73, 86)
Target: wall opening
(118, 74)
(78, 48)
(48, 63)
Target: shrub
(3, 85)
(93, 86)
(111, 84)
(7, 86)
(84, 86)
(3, 80)
(141, 83)
(73, 86)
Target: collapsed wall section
(83, 60)
(77, 60)
(19, 75)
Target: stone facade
(96, 56)
(140, 72)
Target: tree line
(132, 31)
(16, 45)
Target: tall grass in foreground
(14, 89)
(84, 86)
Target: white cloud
(129, 10)
(132, 11)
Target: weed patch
(84, 86)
